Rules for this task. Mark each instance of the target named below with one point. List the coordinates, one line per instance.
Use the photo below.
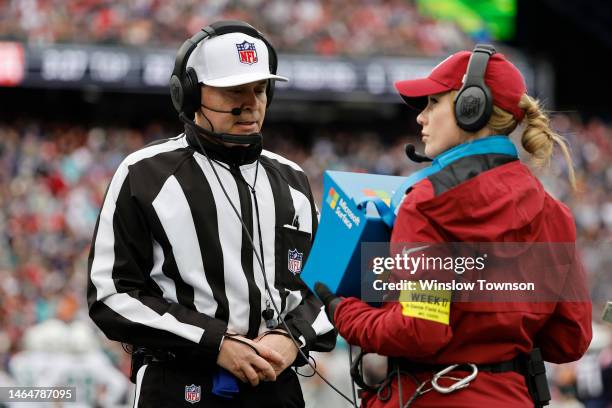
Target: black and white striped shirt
(170, 266)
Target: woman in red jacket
(479, 192)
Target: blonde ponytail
(538, 138)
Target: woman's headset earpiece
(185, 89)
(474, 103)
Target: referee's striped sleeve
(121, 302)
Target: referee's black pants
(162, 385)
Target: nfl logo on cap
(247, 52)
(295, 261)
(193, 393)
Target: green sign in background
(474, 16)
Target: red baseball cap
(505, 81)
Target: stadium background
(84, 82)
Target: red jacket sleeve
(387, 330)
(567, 334)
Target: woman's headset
(474, 103)
(185, 90)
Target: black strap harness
(531, 366)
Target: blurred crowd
(53, 178)
(336, 27)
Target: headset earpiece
(185, 93)
(473, 108)
(185, 89)
(191, 89)
(176, 93)
(474, 103)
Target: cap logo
(247, 52)
(470, 106)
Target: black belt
(517, 364)
(161, 357)
(176, 357)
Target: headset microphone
(234, 111)
(414, 156)
(253, 138)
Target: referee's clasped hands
(256, 360)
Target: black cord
(309, 375)
(350, 352)
(417, 391)
(228, 336)
(128, 348)
(261, 251)
(250, 238)
(399, 388)
(212, 128)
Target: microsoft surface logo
(332, 198)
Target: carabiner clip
(462, 383)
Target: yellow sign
(431, 305)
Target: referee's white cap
(231, 59)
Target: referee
(174, 267)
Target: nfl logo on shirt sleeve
(193, 393)
(247, 52)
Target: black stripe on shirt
(151, 175)
(133, 252)
(184, 291)
(201, 201)
(295, 178)
(284, 214)
(246, 252)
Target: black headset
(474, 103)
(184, 87)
